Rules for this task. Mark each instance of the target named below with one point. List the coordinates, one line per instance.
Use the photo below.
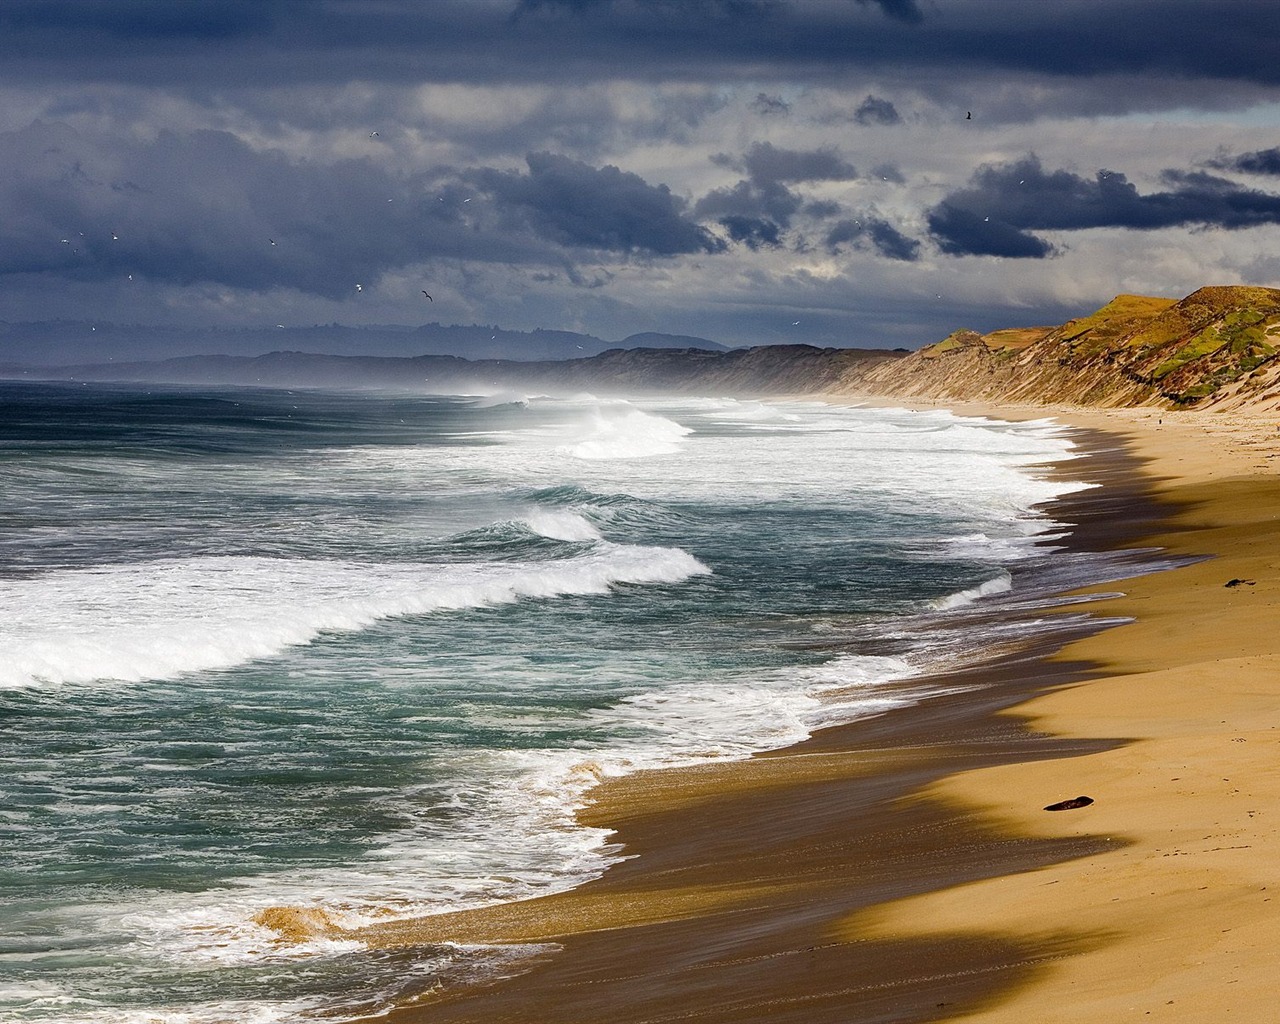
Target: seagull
(795, 323)
(424, 292)
(373, 135)
(130, 277)
(968, 115)
(115, 237)
(359, 287)
(279, 325)
(272, 241)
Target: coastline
(901, 868)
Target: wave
(561, 524)
(155, 620)
(999, 585)
(621, 431)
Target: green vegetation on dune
(1218, 342)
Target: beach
(903, 867)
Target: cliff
(1218, 347)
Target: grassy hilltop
(1218, 346)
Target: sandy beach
(903, 868)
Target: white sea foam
(501, 398)
(619, 430)
(154, 620)
(532, 798)
(162, 618)
(561, 524)
(997, 585)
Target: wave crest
(155, 620)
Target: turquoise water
(366, 652)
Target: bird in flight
(373, 135)
(424, 292)
(359, 287)
(968, 115)
(272, 241)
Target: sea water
(366, 653)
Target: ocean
(367, 652)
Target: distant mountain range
(67, 342)
(1217, 348)
(764, 370)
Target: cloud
(1263, 161)
(874, 110)
(769, 200)
(754, 232)
(900, 10)
(757, 209)
(770, 106)
(205, 208)
(767, 163)
(1003, 204)
(137, 19)
(882, 236)
(600, 208)
(678, 8)
(888, 172)
(276, 43)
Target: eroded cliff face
(1220, 346)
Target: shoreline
(890, 845)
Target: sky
(835, 172)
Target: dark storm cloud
(880, 234)
(754, 232)
(206, 208)
(770, 106)
(997, 213)
(279, 42)
(723, 8)
(1263, 161)
(888, 172)
(769, 200)
(136, 19)
(766, 162)
(760, 207)
(900, 10)
(874, 110)
(602, 208)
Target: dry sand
(903, 869)
(1186, 914)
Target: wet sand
(902, 868)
